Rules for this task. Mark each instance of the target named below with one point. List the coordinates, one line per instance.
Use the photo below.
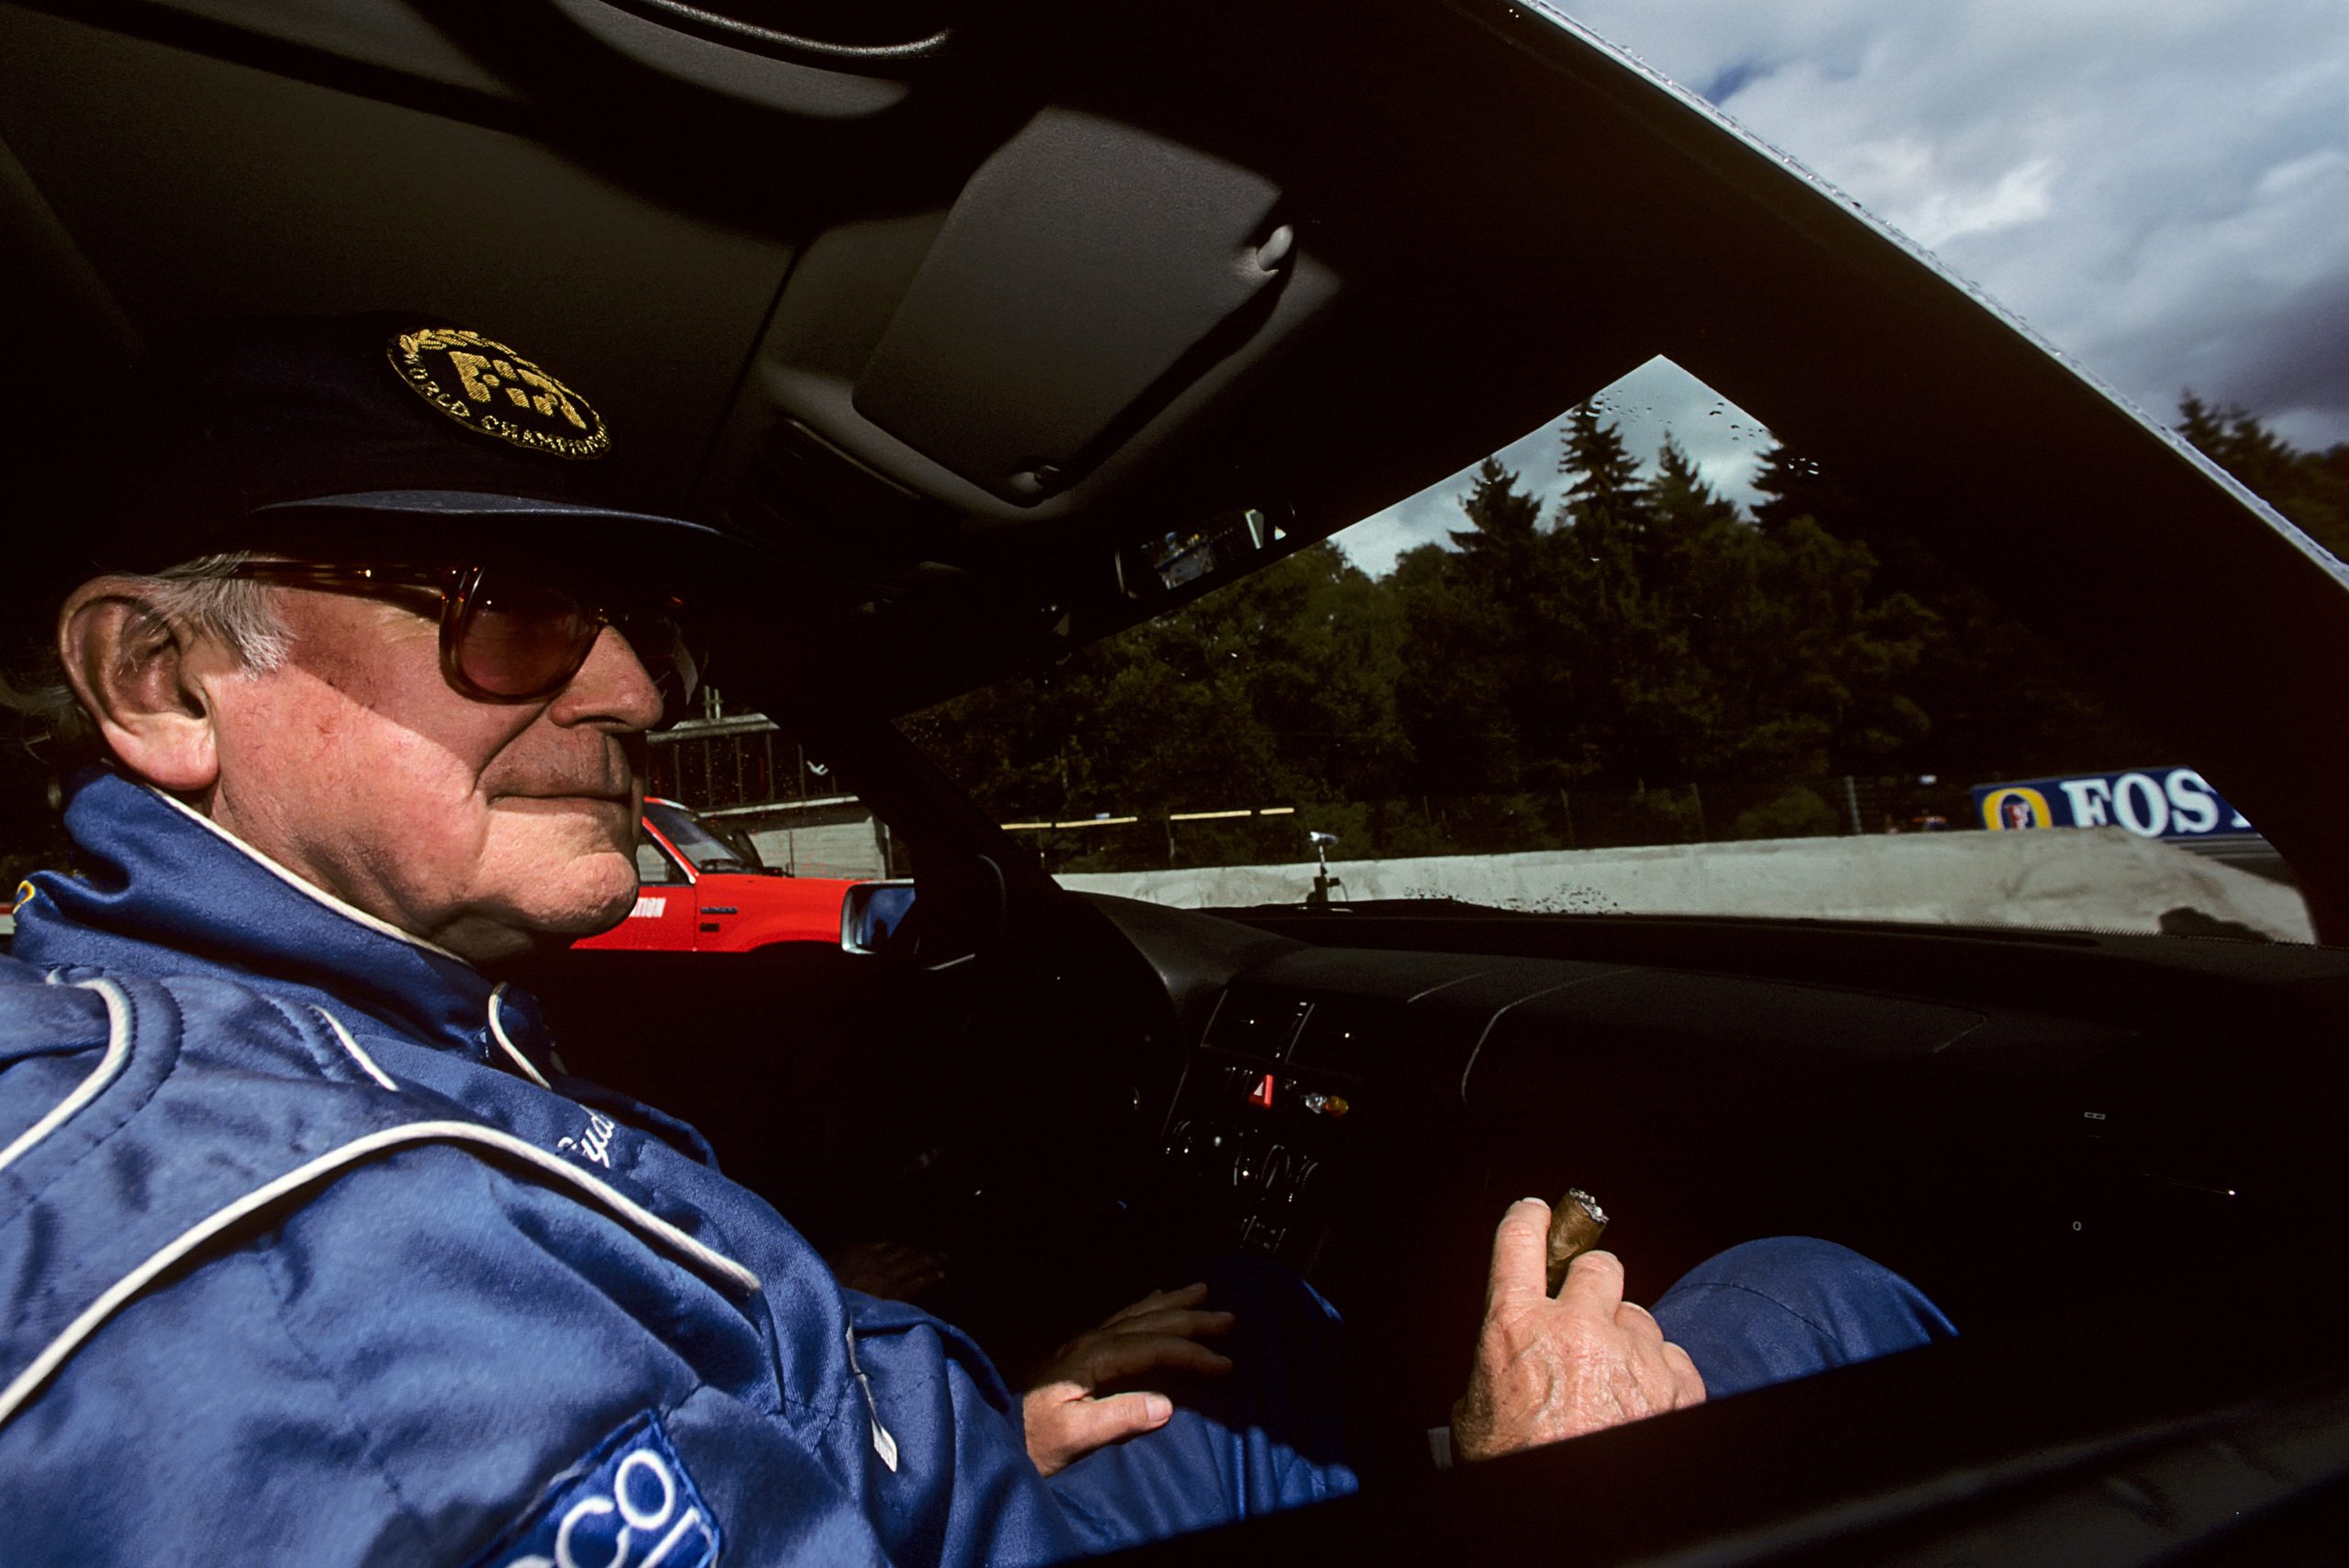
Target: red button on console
(1261, 1095)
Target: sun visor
(1088, 272)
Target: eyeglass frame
(457, 587)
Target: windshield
(1646, 658)
(697, 841)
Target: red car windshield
(697, 841)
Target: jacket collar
(162, 890)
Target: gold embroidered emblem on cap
(486, 386)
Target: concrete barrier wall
(2101, 879)
(2094, 879)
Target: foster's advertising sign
(2152, 803)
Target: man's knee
(1790, 1306)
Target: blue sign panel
(2152, 803)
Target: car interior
(982, 317)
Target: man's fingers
(1064, 1425)
(1158, 1301)
(1594, 1284)
(1684, 1376)
(1087, 1424)
(1108, 1357)
(1521, 1252)
(1637, 1321)
(1190, 1323)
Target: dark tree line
(2311, 488)
(1641, 661)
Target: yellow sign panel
(2017, 806)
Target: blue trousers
(1274, 1435)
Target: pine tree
(1617, 653)
(1794, 485)
(1500, 543)
(2311, 489)
(1459, 710)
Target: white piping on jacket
(58, 1350)
(308, 889)
(883, 1444)
(352, 912)
(357, 1055)
(109, 1066)
(497, 1033)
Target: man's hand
(1547, 1370)
(1066, 1420)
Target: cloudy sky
(2160, 187)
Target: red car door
(663, 918)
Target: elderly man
(310, 1250)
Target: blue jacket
(311, 1253)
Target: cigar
(1576, 1222)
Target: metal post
(1852, 803)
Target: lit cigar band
(1576, 1222)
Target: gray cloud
(2161, 190)
(2159, 187)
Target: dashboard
(2020, 1123)
(2009, 1125)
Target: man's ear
(133, 672)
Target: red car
(701, 891)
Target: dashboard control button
(1301, 1177)
(1261, 1095)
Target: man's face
(479, 825)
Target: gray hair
(200, 596)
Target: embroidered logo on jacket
(629, 1502)
(596, 1143)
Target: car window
(759, 800)
(653, 867)
(708, 849)
(1646, 658)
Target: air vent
(1257, 1023)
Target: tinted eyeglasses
(507, 635)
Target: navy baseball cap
(384, 436)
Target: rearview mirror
(871, 913)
